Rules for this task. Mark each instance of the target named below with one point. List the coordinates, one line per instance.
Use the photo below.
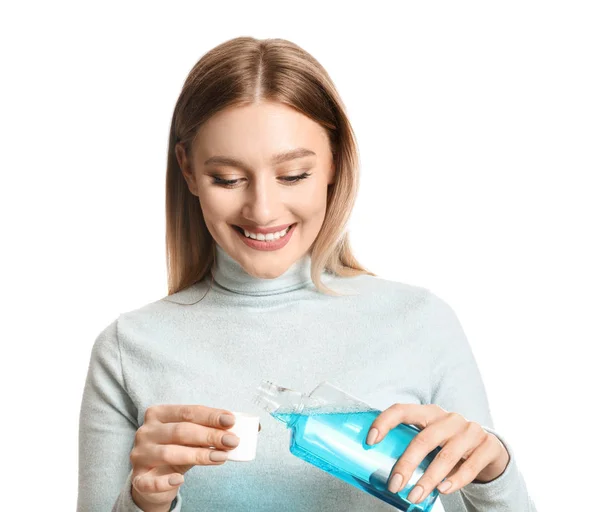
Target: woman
(261, 180)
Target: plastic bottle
(329, 430)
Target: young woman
(262, 175)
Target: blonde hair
(239, 72)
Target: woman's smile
(268, 242)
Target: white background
(478, 126)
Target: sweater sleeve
(457, 386)
(107, 426)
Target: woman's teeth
(268, 237)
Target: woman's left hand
(468, 452)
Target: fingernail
(230, 440)
(175, 479)
(444, 486)
(415, 494)
(373, 433)
(395, 483)
(216, 456)
(227, 420)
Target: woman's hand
(173, 439)
(468, 452)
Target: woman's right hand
(173, 439)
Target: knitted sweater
(213, 342)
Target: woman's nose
(262, 204)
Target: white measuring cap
(246, 428)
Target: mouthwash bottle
(329, 430)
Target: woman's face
(239, 146)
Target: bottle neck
(287, 405)
(282, 403)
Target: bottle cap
(246, 428)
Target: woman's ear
(186, 168)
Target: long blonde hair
(235, 73)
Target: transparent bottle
(329, 430)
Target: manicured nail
(230, 440)
(227, 420)
(395, 483)
(444, 486)
(216, 456)
(373, 433)
(175, 479)
(415, 494)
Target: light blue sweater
(383, 342)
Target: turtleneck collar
(229, 274)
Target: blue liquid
(336, 443)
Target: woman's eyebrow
(276, 159)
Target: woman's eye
(221, 181)
(294, 179)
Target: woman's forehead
(259, 132)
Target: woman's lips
(265, 245)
